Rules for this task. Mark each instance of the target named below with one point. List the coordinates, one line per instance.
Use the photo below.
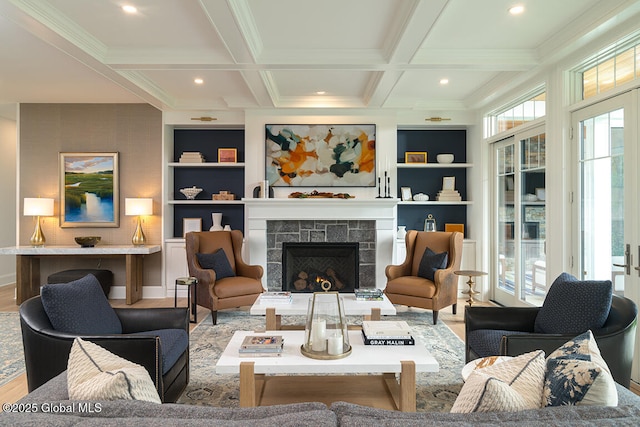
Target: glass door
(520, 222)
(607, 208)
(605, 237)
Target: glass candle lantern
(430, 223)
(325, 333)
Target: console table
(28, 265)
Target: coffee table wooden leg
(273, 321)
(407, 386)
(248, 385)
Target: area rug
(11, 352)
(435, 392)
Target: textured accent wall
(280, 231)
(132, 130)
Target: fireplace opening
(306, 265)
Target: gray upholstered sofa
(52, 397)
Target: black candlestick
(388, 187)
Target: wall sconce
(37, 207)
(138, 207)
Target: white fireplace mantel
(382, 211)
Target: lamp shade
(36, 206)
(138, 206)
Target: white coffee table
(371, 310)
(385, 361)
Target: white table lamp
(36, 206)
(138, 207)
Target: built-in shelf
(206, 202)
(434, 202)
(433, 165)
(206, 165)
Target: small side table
(191, 283)
(471, 274)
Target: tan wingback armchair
(405, 287)
(229, 292)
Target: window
(620, 65)
(516, 114)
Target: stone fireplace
(307, 265)
(281, 232)
(370, 222)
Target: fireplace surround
(271, 221)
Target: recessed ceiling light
(129, 9)
(444, 81)
(516, 10)
(198, 81)
(320, 92)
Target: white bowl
(444, 158)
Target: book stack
(191, 157)
(448, 196)
(384, 332)
(261, 346)
(368, 294)
(275, 298)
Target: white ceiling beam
(233, 23)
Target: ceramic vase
(216, 217)
(402, 231)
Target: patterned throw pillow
(94, 373)
(431, 262)
(80, 307)
(578, 375)
(217, 262)
(574, 306)
(513, 385)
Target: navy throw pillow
(217, 262)
(431, 262)
(80, 307)
(574, 306)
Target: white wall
(8, 143)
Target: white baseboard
(7, 279)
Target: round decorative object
(444, 158)
(421, 197)
(191, 192)
(530, 197)
(87, 241)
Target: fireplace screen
(306, 265)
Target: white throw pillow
(94, 373)
(512, 385)
(578, 375)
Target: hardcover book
(386, 329)
(388, 341)
(262, 342)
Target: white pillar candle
(264, 189)
(319, 335)
(334, 346)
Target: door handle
(627, 260)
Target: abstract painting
(321, 155)
(89, 190)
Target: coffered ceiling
(283, 53)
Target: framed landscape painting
(320, 155)
(89, 190)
